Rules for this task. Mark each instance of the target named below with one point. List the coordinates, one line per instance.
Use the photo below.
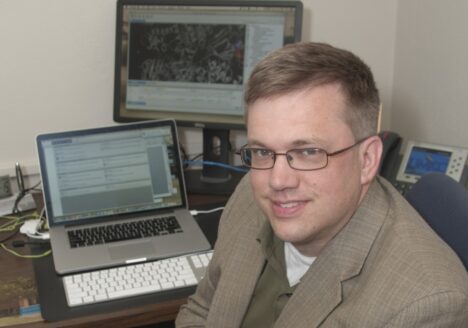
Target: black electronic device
(418, 159)
(189, 60)
(390, 153)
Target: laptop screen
(110, 171)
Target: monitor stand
(213, 179)
(197, 185)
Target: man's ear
(370, 154)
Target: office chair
(443, 203)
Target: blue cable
(227, 166)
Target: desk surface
(18, 288)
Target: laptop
(116, 195)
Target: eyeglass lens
(301, 159)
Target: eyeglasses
(302, 159)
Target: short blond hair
(304, 65)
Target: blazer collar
(343, 258)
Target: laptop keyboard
(123, 231)
(136, 279)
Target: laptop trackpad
(131, 251)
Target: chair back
(443, 203)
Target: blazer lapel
(320, 290)
(233, 293)
(317, 295)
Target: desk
(138, 314)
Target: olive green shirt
(272, 290)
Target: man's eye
(261, 152)
(307, 152)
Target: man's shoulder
(406, 265)
(410, 249)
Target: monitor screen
(190, 59)
(425, 160)
(110, 171)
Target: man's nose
(282, 175)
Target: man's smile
(287, 208)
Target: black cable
(18, 223)
(10, 236)
(195, 157)
(15, 210)
(22, 190)
(185, 157)
(22, 243)
(34, 187)
(20, 178)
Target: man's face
(306, 208)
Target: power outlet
(5, 186)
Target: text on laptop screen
(112, 173)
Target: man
(311, 238)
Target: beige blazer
(386, 268)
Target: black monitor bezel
(202, 121)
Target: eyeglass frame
(274, 155)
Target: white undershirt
(296, 263)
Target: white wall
(365, 27)
(57, 63)
(57, 71)
(430, 96)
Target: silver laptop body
(95, 179)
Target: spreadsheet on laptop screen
(111, 173)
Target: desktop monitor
(189, 60)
